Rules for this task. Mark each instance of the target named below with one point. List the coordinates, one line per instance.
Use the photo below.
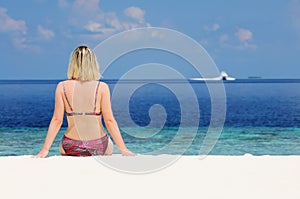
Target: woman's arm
(55, 123)
(110, 121)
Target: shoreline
(215, 176)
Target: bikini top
(81, 113)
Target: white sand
(214, 177)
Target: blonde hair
(83, 65)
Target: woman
(85, 101)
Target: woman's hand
(42, 154)
(126, 152)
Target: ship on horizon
(223, 76)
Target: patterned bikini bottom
(85, 147)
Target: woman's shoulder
(63, 83)
(103, 83)
(67, 81)
(104, 86)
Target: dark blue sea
(262, 116)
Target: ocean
(262, 116)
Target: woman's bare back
(82, 104)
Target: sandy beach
(213, 177)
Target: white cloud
(17, 31)
(23, 43)
(20, 42)
(63, 3)
(223, 38)
(15, 28)
(244, 35)
(8, 24)
(213, 27)
(93, 27)
(158, 34)
(204, 42)
(250, 46)
(112, 21)
(241, 40)
(294, 14)
(44, 33)
(102, 26)
(135, 13)
(86, 7)
(93, 24)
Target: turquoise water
(262, 117)
(233, 141)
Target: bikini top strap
(67, 97)
(95, 104)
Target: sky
(244, 38)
